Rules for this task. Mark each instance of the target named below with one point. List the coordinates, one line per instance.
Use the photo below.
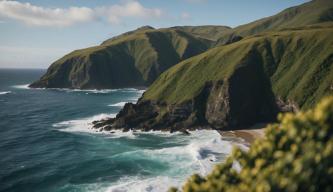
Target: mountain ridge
(132, 59)
(312, 12)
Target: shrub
(295, 155)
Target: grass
(133, 59)
(313, 12)
(298, 63)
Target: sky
(35, 33)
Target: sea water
(47, 144)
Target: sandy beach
(248, 135)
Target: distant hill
(212, 32)
(313, 12)
(133, 59)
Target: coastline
(248, 135)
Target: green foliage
(298, 63)
(212, 32)
(313, 12)
(132, 59)
(296, 154)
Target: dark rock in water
(107, 128)
(185, 132)
(102, 123)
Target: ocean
(47, 144)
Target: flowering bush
(295, 155)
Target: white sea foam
(120, 104)
(81, 125)
(196, 153)
(205, 149)
(138, 184)
(25, 86)
(87, 91)
(103, 91)
(5, 92)
(84, 125)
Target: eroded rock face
(243, 99)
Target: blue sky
(34, 33)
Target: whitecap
(120, 104)
(204, 149)
(81, 125)
(102, 91)
(139, 184)
(84, 125)
(5, 92)
(25, 86)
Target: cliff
(133, 59)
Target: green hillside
(298, 63)
(237, 85)
(133, 59)
(212, 32)
(313, 12)
(280, 63)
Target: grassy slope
(313, 12)
(132, 59)
(212, 32)
(298, 62)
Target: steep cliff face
(237, 85)
(132, 59)
(298, 63)
(245, 98)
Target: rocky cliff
(133, 59)
(237, 85)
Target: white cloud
(41, 16)
(185, 16)
(132, 9)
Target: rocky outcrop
(287, 106)
(236, 102)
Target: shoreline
(248, 135)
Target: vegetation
(138, 57)
(298, 63)
(212, 32)
(296, 154)
(132, 59)
(313, 12)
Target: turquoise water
(46, 143)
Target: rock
(239, 101)
(287, 106)
(185, 132)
